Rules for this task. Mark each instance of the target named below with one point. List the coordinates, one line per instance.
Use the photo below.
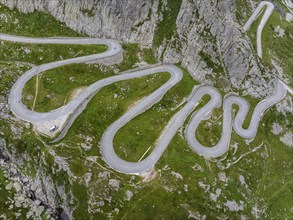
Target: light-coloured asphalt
(268, 11)
(223, 145)
(15, 95)
(175, 123)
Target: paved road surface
(268, 11)
(175, 123)
(223, 146)
(16, 91)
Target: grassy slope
(267, 170)
(43, 25)
(45, 53)
(278, 48)
(57, 85)
(151, 122)
(167, 27)
(52, 95)
(274, 47)
(272, 172)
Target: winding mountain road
(268, 11)
(106, 144)
(231, 99)
(15, 96)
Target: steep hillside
(204, 36)
(205, 39)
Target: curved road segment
(106, 144)
(15, 96)
(268, 11)
(223, 146)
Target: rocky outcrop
(209, 34)
(207, 40)
(38, 195)
(24, 192)
(112, 19)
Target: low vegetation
(167, 27)
(44, 53)
(255, 179)
(276, 46)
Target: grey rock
(114, 184)
(9, 186)
(17, 186)
(288, 139)
(128, 195)
(39, 210)
(276, 128)
(209, 26)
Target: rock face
(112, 19)
(25, 193)
(207, 38)
(209, 27)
